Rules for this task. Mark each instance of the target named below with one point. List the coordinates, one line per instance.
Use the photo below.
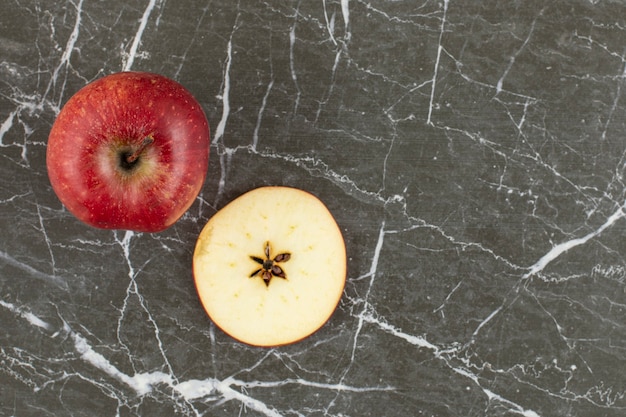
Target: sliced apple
(270, 267)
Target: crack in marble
(259, 120)
(56, 280)
(133, 291)
(129, 60)
(6, 126)
(440, 48)
(218, 138)
(64, 61)
(292, 68)
(330, 24)
(345, 13)
(331, 86)
(144, 383)
(517, 53)
(448, 355)
(563, 247)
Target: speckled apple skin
(120, 110)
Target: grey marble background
(473, 153)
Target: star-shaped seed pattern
(269, 267)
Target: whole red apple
(129, 151)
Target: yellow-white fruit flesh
(287, 310)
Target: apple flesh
(270, 267)
(129, 151)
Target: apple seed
(269, 268)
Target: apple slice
(270, 267)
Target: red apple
(129, 151)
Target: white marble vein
(143, 383)
(433, 82)
(133, 52)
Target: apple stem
(133, 156)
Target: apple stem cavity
(135, 155)
(130, 158)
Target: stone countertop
(473, 154)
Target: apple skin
(110, 118)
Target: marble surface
(473, 154)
